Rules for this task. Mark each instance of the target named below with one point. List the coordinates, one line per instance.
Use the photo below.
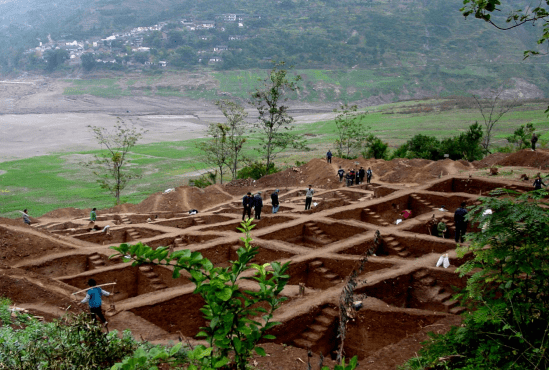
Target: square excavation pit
(131, 281)
(314, 234)
(425, 289)
(184, 241)
(404, 247)
(121, 235)
(222, 254)
(321, 205)
(426, 228)
(237, 209)
(386, 214)
(72, 265)
(345, 195)
(266, 221)
(178, 315)
(60, 227)
(372, 330)
(195, 220)
(410, 247)
(324, 273)
(316, 330)
(474, 186)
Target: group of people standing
(353, 177)
(255, 202)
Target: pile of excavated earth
(404, 296)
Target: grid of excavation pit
(222, 255)
(313, 234)
(183, 241)
(475, 186)
(425, 289)
(324, 273)
(118, 235)
(387, 213)
(407, 246)
(194, 220)
(323, 251)
(266, 221)
(72, 265)
(131, 281)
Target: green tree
(216, 150)
(507, 290)
(55, 58)
(522, 135)
(516, 16)
(88, 61)
(110, 166)
(233, 314)
(236, 123)
(350, 129)
(465, 146)
(375, 148)
(274, 122)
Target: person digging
(93, 298)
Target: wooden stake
(85, 290)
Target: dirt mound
(526, 157)
(323, 175)
(16, 246)
(184, 198)
(490, 160)
(67, 213)
(523, 158)
(417, 170)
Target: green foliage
(72, 342)
(465, 146)
(375, 148)
(507, 290)
(110, 167)
(217, 150)
(351, 129)
(353, 363)
(238, 319)
(256, 170)
(235, 132)
(522, 135)
(274, 122)
(207, 179)
(88, 61)
(55, 58)
(483, 9)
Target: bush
(465, 146)
(375, 148)
(72, 342)
(256, 170)
(506, 293)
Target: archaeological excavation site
(404, 296)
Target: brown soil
(406, 295)
(524, 158)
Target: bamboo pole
(97, 286)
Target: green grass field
(45, 183)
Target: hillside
(410, 48)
